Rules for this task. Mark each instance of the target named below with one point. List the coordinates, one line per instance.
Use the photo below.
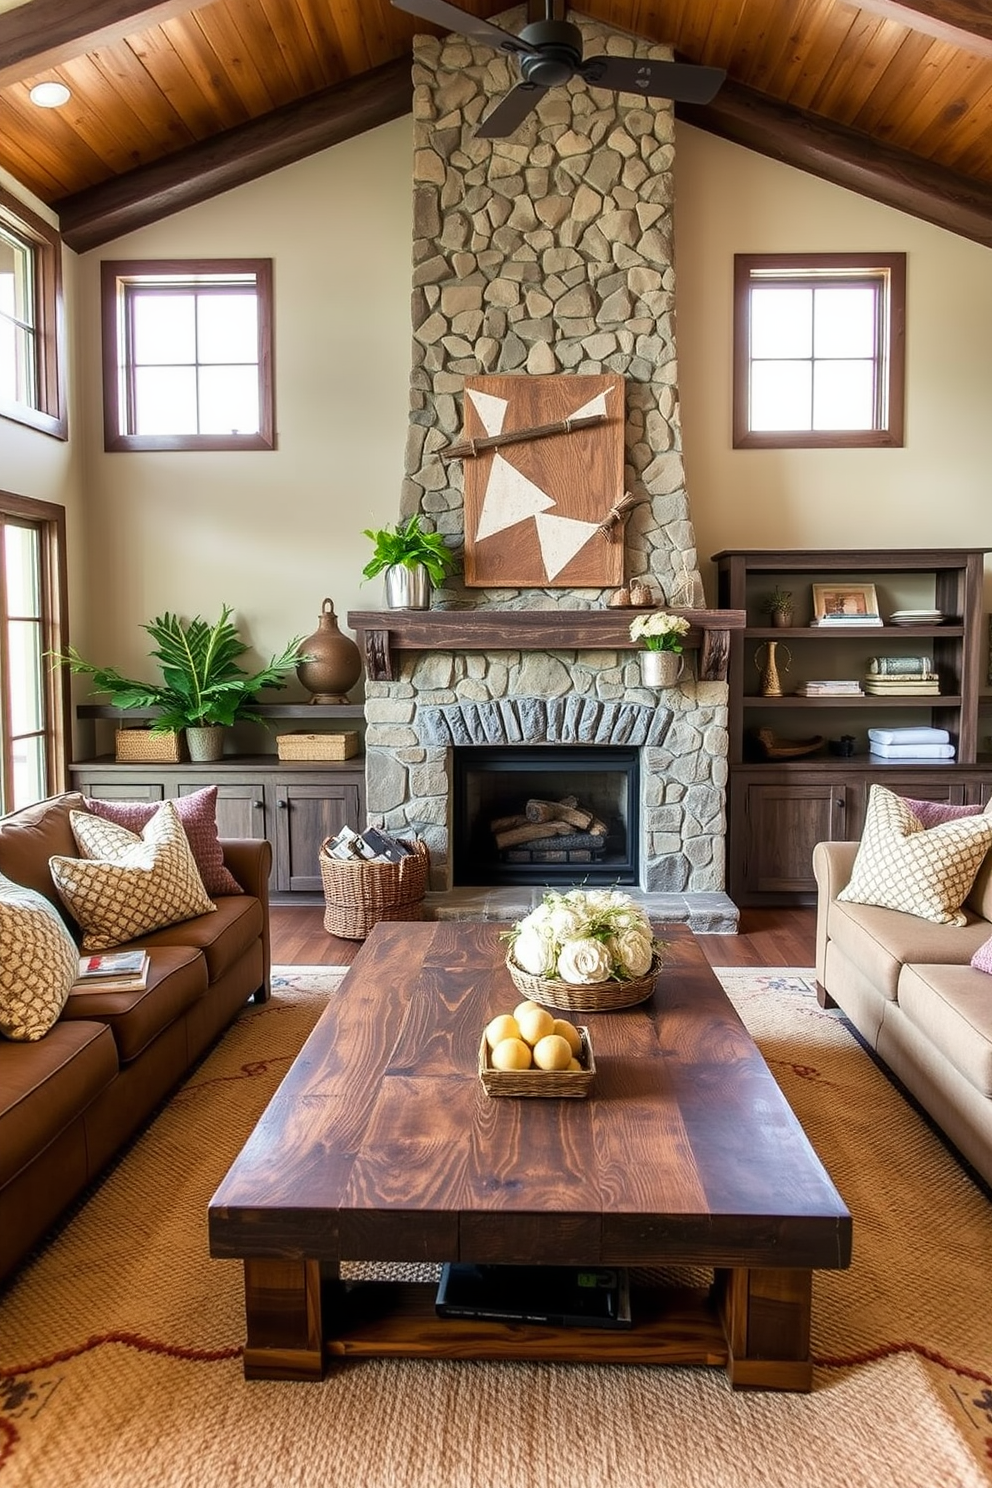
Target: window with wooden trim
(187, 355)
(31, 320)
(33, 693)
(819, 350)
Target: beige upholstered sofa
(907, 986)
(70, 1100)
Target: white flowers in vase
(585, 936)
(658, 631)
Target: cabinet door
(240, 809)
(304, 816)
(777, 827)
(120, 790)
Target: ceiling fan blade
(510, 112)
(454, 19)
(683, 81)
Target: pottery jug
(335, 661)
(771, 685)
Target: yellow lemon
(503, 1027)
(570, 1033)
(511, 1054)
(524, 1007)
(573, 1064)
(552, 1053)
(534, 1023)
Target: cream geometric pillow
(126, 885)
(38, 962)
(926, 872)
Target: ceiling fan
(549, 53)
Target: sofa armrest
(832, 865)
(250, 861)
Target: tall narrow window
(819, 350)
(32, 608)
(187, 355)
(31, 389)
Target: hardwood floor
(767, 937)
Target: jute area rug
(120, 1342)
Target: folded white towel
(909, 736)
(912, 751)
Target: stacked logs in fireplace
(550, 832)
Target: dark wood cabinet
(294, 805)
(779, 809)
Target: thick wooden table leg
(284, 1329)
(766, 1317)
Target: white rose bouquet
(658, 631)
(585, 936)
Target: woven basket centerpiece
(585, 951)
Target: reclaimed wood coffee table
(381, 1145)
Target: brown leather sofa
(69, 1100)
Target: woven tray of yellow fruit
(531, 1052)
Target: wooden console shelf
(384, 632)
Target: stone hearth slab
(706, 914)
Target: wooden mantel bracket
(386, 632)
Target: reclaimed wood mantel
(385, 632)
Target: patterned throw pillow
(932, 813)
(198, 814)
(126, 885)
(925, 872)
(38, 962)
(982, 959)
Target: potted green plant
(202, 688)
(779, 606)
(411, 560)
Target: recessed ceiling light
(49, 95)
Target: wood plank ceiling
(175, 101)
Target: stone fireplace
(550, 252)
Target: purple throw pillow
(932, 813)
(982, 959)
(198, 814)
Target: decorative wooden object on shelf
(382, 633)
(553, 492)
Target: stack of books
(831, 687)
(889, 676)
(910, 744)
(112, 971)
(847, 622)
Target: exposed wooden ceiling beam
(847, 158)
(46, 32)
(961, 23)
(203, 170)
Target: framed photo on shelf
(847, 601)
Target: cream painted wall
(270, 533)
(937, 490)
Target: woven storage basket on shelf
(300, 746)
(144, 747)
(538, 1082)
(597, 997)
(358, 894)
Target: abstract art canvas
(534, 501)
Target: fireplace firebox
(545, 814)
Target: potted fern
(412, 560)
(203, 689)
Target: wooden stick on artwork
(469, 448)
(617, 515)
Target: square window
(187, 355)
(819, 348)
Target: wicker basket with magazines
(359, 893)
